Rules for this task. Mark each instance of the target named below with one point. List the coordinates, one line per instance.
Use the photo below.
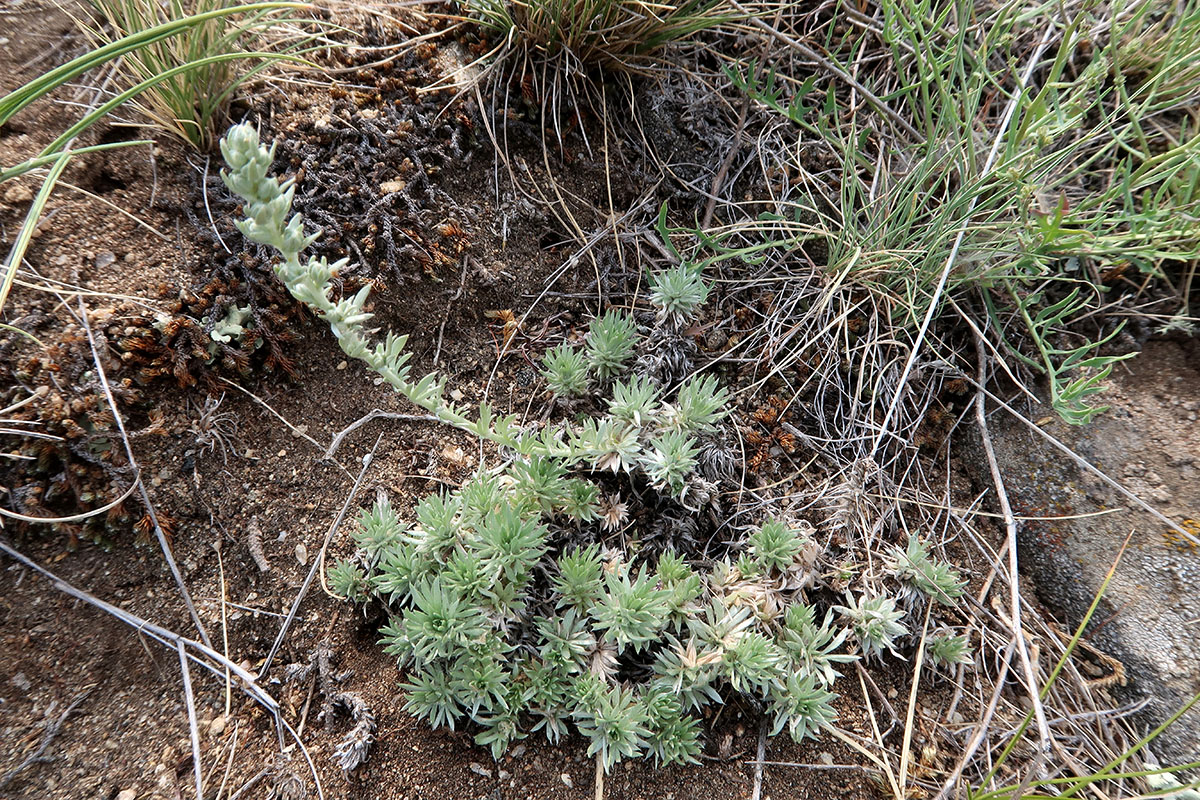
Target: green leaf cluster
(875, 622)
(485, 643)
(937, 579)
(677, 292)
(565, 370)
(775, 545)
(509, 610)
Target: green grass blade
(99, 112)
(30, 225)
(41, 161)
(51, 80)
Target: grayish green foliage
(501, 621)
(937, 579)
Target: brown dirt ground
(130, 730)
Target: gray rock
(1149, 618)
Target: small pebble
(343, 364)
(302, 554)
(479, 769)
(127, 794)
(566, 779)
(18, 193)
(105, 259)
(217, 726)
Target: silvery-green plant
(813, 646)
(484, 644)
(579, 582)
(540, 483)
(803, 706)
(581, 501)
(689, 672)
(230, 326)
(269, 221)
(648, 440)
(610, 344)
(378, 529)
(565, 370)
(875, 622)
(634, 402)
(948, 648)
(631, 611)
(700, 404)
(937, 579)
(612, 718)
(510, 605)
(674, 736)
(752, 663)
(677, 292)
(680, 582)
(670, 458)
(348, 580)
(567, 641)
(775, 545)
(608, 444)
(749, 567)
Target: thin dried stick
(250, 784)
(229, 762)
(51, 730)
(801, 765)
(723, 170)
(158, 531)
(213, 661)
(981, 730)
(193, 729)
(912, 701)
(74, 517)
(884, 763)
(884, 769)
(759, 762)
(366, 418)
(1014, 578)
(224, 630)
(287, 622)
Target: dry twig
(199, 652)
(163, 544)
(1014, 581)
